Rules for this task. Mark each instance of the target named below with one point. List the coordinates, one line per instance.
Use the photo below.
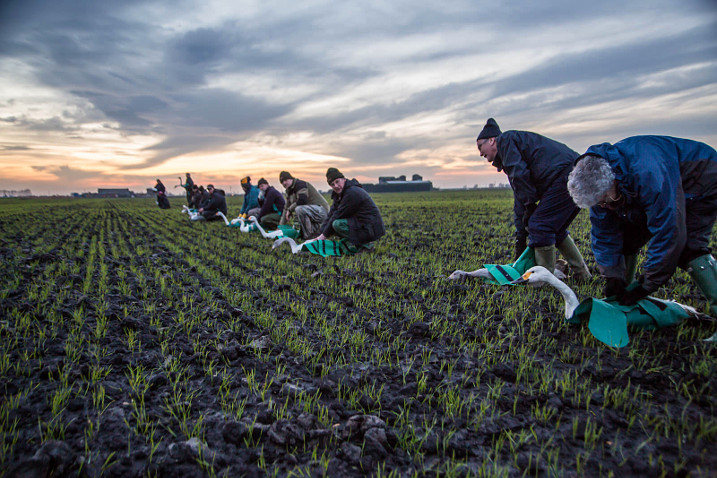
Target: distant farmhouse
(390, 184)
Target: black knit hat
(490, 130)
(262, 181)
(333, 173)
(284, 175)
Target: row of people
(659, 190)
(353, 214)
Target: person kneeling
(353, 214)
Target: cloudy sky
(97, 93)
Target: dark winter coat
(355, 205)
(273, 202)
(654, 174)
(217, 202)
(160, 188)
(532, 162)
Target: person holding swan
(537, 168)
(650, 189)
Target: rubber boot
(630, 268)
(571, 253)
(703, 271)
(545, 256)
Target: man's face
(338, 185)
(487, 148)
(612, 199)
(263, 187)
(287, 183)
(210, 190)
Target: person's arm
(517, 170)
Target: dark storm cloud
(152, 75)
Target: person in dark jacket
(537, 168)
(216, 202)
(250, 206)
(162, 200)
(273, 205)
(304, 202)
(353, 214)
(655, 189)
(188, 185)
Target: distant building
(390, 184)
(23, 193)
(114, 193)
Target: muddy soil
(190, 350)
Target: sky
(97, 93)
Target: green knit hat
(333, 173)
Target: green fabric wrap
(608, 321)
(504, 275)
(329, 248)
(288, 231)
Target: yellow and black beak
(522, 279)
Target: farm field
(137, 343)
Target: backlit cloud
(94, 94)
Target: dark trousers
(555, 212)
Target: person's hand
(614, 287)
(201, 210)
(632, 296)
(321, 237)
(521, 244)
(529, 210)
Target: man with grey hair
(537, 168)
(655, 189)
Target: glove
(632, 296)
(529, 210)
(614, 287)
(521, 243)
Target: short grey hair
(590, 180)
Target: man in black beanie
(537, 168)
(353, 214)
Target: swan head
(536, 276)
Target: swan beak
(522, 279)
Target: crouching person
(305, 203)
(272, 206)
(654, 190)
(215, 203)
(353, 214)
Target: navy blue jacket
(653, 173)
(531, 162)
(356, 206)
(273, 202)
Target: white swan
(538, 275)
(459, 274)
(485, 274)
(267, 235)
(226, 221)
(295, 248)
(193, 215)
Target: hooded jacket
(355, 205)
(532, 162)
(656, 175)
(251, 199)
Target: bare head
(592, 182)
